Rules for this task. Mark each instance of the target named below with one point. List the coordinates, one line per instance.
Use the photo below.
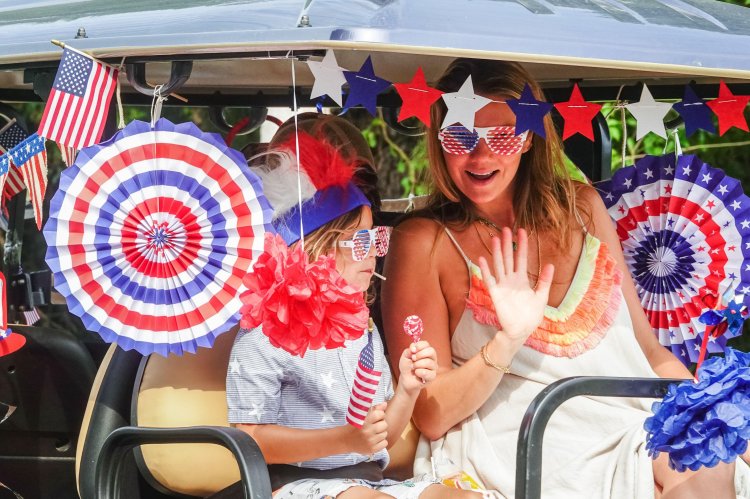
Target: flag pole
(63, 45)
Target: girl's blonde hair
(544, 196)
(325, 238)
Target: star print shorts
(324, 489)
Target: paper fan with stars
(685, 232)
(151, 233)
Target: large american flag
(79, 101)
(30, 157)
(365, 386)
(10, 136)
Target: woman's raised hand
(519, 307)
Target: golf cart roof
(603, 42)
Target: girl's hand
(417, 367)
(373, 435)
(519, 308)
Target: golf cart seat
(137, 399)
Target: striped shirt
(266, 385)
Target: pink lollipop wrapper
(413, 327)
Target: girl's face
(357, 274)
(483, 176)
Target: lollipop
(413, 327)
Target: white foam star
(649, 115)
(329, 78)
(463, 105)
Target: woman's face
(483, 176)
(357, 274)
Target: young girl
(296, 407)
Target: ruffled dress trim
(585, 314)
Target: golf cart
(100, 422)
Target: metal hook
(257, 117)
(136, 72)
(390, 116)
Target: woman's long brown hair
(544, 196)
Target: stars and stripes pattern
(68, 154)
(78, 104)
(365, 386)
(10, 137)
(685, 232)
(30, 157)
(31, 316)
(151, 233)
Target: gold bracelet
(486, 358)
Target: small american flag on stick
(78, 104)
(30, 157)
(365, 386)
(10, 136)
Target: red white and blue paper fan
(151, 233)
(685, 232)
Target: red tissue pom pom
(300, 304)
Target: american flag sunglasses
(364, 239)
(501, 140)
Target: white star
(699, 217)
(723, 189)
(649, 115)
(745, 289)
(735, 205)
(669, 170)
(745, 224)
(234, 366)
(258, 410)
(648, 173)
(329, 78)
(326, 415)
(686, 170)
(696, 347)
(609, 196)
(328, 379)
(463, 105)
(712, 339)
(628, 182)
(707, 178)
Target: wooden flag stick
(63, 45)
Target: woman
(592, 324)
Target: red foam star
(417, 98)
(730, 109)
(578, 115)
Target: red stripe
(366, 387)
(688, 210)
(50, 110)
(99, 295)
(149, 267)
(90, 106)
(362, 407)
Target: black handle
(136, 72)
(529, 451)
(253, 472)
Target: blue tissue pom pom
(700, 424)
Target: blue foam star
(529, 112)
(364, 87)
(695, 113)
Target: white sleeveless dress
(594, 447)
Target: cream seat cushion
(191, 391)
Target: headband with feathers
(326, 180)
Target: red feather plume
(322, 162)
